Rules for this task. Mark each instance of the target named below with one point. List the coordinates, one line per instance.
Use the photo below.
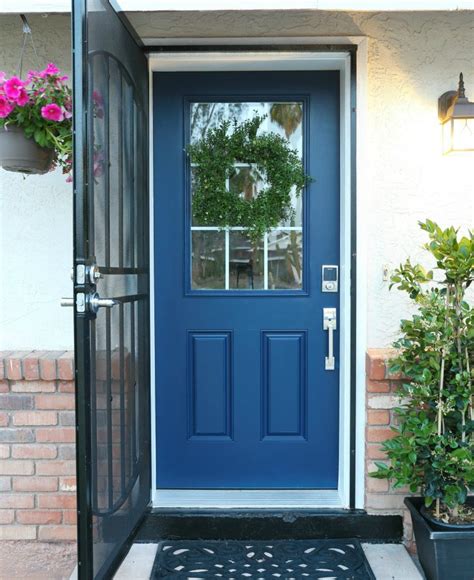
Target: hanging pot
(23, 155)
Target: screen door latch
(330, 278)
(330, 324)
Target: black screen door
(110, 284)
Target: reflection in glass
(283, 118)
(245, 263)
(285, 260)
(247, 181)
(208, 260)
(226, 259)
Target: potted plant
(36, 122)
(432, 450)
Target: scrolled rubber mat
(262, 560)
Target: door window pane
(208, 260)
(225, 259)
(285, 260)
(245, 262)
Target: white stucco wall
(413, 58)
(35, 217)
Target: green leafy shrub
(432, 450)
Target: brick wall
(381, 399)
(37, 451)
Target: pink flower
(22, 98)
(2, 77)
(32, 75)
(51, 69)
(67, 114)
(5, 107)
(69, 178)
(12, 88)
(52, 112)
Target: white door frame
(287, 60)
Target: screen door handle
(330, 324)
(93, 302)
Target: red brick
(35, 483)
(33, 386)
(13, 367)
(57, 501)
(7, 516)
(378, 417)
(16, 500)
(39, 517)
(35, 451)
(63, 402)
(48, 365)
(13, 467)
(378, 386)
(67, 484)
(3, 355)
(56, 435)
(375, 367)
(379, 434)
(3, 419)
(57, 533)
(375, 452)
(70, 517)
(4, 451)
(23, 418)
(62, 468)
(31, 365)
(66, 387)
(4, 387)
(66, 366)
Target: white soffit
(51, 6)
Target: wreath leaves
(270, 159)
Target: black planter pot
(445, 554)
(22, 155)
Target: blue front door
(244, 398)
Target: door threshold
(266, 524)
(247, 498)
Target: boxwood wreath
(215, 156)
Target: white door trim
(286, 60)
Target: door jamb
(349, 55)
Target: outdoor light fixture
(456, 114)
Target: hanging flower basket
(22, 154)
(36, 122)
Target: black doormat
(262, 560)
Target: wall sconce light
(456, 114)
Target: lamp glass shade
(458, 134)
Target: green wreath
(270, 160)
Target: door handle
(94, 302)
(330, 324)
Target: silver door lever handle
(330, 324)
(94, 302)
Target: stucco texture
(412, 59)
(35, 215)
